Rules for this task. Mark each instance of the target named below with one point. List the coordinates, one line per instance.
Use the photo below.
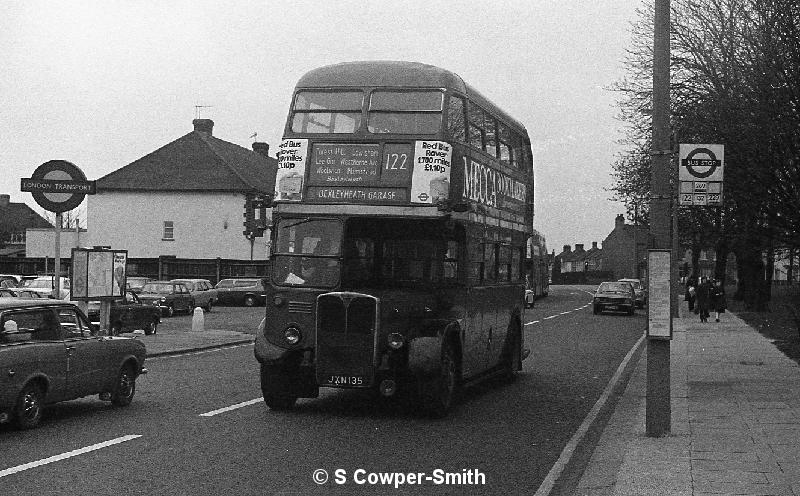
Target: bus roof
(385, 73)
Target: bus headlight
(277, 300)
(396, 340)
(292, 335)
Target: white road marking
(569, 449)
(533, 322)
(64, 456)
(550, 317)
(564, 313)
(232, 407)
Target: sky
(101, 84)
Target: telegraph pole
(658, 407)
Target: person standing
(691, 291)
(718, 298)
(703, 295)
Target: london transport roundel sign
(701, 162)
(58, 186)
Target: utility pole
(658, 407)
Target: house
(594, 258)
(625, 250)
(185, 199)
(15, 219)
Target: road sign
(701, 162)
(58, 186)
(700, 172)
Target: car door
(139, 315)
(87, 355)
(51, 353)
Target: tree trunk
(769, 272)
(695, 260)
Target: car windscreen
(158, 288)
(615, 287)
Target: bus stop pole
(657, 406)
(56, 281)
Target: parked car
(10, 280)
(136, 283)
(168, 296)
(614, 296)
(128, 314)
(19, 293)
(49, 352)
(45, 285)
(639, 290)
(203, 292)
(247, 292)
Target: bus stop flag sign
(700, 174)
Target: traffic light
(255, 214)
(249, 215)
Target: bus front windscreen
(307, 253)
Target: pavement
(180, 340)
(735, 425)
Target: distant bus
(402, 212)
(537, 266)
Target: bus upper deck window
(456, 119)
(405, 112)
(327, 112)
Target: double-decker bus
(537, 282)
(403, 205)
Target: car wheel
(170, 310)
(190, 309)
(439, 394)
(116, 329)
(28, 410)
(124, 388)
(151, 327)
(596, 310)
(249, 301)
(209, 305)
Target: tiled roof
(196, 161)
(16, 217)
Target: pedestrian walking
(691, 291)
(703, 295)
(718, 298)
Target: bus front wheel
(438, 394)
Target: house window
(169, 231)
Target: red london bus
(402, 211)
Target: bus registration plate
(345, 380)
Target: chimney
(203, 125)
(619, 222)
(594, 245)
(5, 200)
(261, 147)
(578, 247)
(568, 248)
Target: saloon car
(203, 292)
(49, 352)
(247, 292)
(169, 297)
(128, 314)
(618, 296)
(19, 293)
(136, 283)
(45, 286)
(639, 290)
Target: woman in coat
(718, 298)
(691, 291)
